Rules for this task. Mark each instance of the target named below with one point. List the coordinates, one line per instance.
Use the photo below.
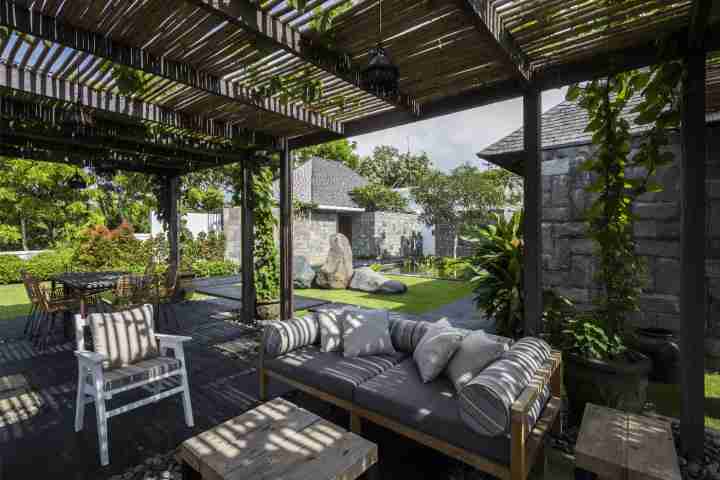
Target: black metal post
(532, 199)
(173, 194)
(247, 255)
(286, 220)
(692, 273)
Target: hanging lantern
(76, 182)
(381, 75)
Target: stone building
(568, 255)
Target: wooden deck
(37, 392)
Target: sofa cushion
(285, 336)
(399, 394)
(330, 372)
(435, 349)
(330, 321)
(149, 369)
(124, 337)
(485, 402)
(366, 332)
(477, 351)
(406, 334)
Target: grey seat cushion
(399, 394)
(331, 372)
(145, 370)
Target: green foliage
(214, 268)
(621, 271)
(102, 249)
(9, 235)
(439, 267)
(47, 264)
(586, 335)
(466, 198)
(389, 167)
(375, 197)
(342, 151)
(267, 257)
(205, 247)
(376, 267)
(498, 281)
(10, 268)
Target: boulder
(367, 280)
(303, 273)
(392, 286)
(338, 268)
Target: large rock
(367, 280)
(338, 268)
(303, 273)
(392, 286)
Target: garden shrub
(48, 264)
(214, 268)
(10, 267)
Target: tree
(342, 151)
(465, 198)
(374, 197)
(36, 203)
(124, 197)
(389, 167)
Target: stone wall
(386, 233)
(445, 243)
(569, 262)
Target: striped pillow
(282, 337)
(485, 402)
(124, 337)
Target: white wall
(195, 222)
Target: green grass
(423, 295)
(667, 399)
(13, 301)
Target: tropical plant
(375, 197)
(498, 268)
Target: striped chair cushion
(485, 402)
(125, 337)
(282, 337)
(145, 370)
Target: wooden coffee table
(277, 440)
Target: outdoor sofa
(387, 390)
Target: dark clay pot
(620, 383)
(661, 345)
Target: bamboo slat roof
(204, 61)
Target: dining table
(85, 284)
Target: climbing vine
(621, 273)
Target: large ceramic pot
(661, 345)
(620, 383)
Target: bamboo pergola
(210, 71)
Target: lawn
(423, 295)
(13, 301)
(667, 399)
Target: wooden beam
(532, 199)
(247, 234)
(699, 18)
(553, 77)
(492, 29)
(274, 34)
(21, 19)
(692, 257)
(286, 246)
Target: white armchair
(139, 359)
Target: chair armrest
(91, 358)
(171, 339)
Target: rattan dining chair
(51, 304)
(34, 312)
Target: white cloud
(455, 139)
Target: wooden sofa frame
(526, 445)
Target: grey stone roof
(324, 182)
(561, 125)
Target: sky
(454, 139)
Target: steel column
(286, 221)
(247, 256)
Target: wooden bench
(278, 439)
(617, 445)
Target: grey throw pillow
(124, 337)
(435, 349)
(331, 332)
(366, 332)
(477, 351)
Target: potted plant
(599, 366)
